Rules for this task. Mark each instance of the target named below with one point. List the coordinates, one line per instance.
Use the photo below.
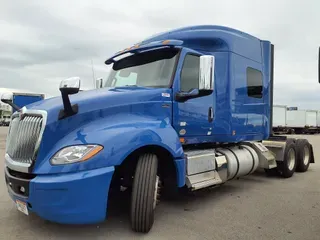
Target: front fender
(119, 137)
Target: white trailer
(279, 117)
(311, 121)
(311, 118)
(318, 119)
(296, 121)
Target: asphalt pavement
(255, 207)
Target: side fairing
(267, 60)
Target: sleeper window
(254, 83)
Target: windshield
(148, 69)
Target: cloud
(43, 42)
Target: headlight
(74, 154)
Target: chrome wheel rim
(291, 159)
(306, 156)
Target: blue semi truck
(181, 111)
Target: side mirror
(205, 80)
(206, 73)
(70, 85)
(99, 83)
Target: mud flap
(312, 154)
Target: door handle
(210, 114)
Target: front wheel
(144, 193)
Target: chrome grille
(24, 137)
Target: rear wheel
(303, 155)
(145, 191)
(287, 167)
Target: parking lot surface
(253, 207)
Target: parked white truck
(279, 118)
(5, 114)
(311, 121)
(296, 121)
(318, 120)
(288, 121)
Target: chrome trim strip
(44, 122)
(16, 166)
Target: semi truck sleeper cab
(186, 109)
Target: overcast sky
(43, 42)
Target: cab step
(203, 180)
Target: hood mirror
(70, 85)
(67, 87)
(8, 99)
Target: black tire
(303, 155)
(271, 172)
(143, 193)
(284, 167)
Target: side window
(254, 83)
(190, 73)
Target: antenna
(93, 75)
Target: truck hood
(103, 114)
(102, 99)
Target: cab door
(194, 117)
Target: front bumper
(73, 198)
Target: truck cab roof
(206, 39)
